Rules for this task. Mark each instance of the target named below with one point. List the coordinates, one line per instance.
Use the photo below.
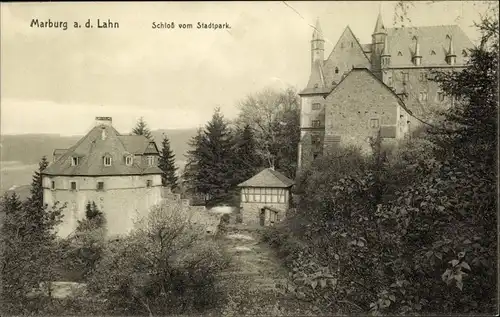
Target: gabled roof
(91, 150)
(369, 73)
(430, 39)
(268, 178)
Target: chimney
(103, 121)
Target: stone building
(117, 172)
(265, 198)
(402, 60)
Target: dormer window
(75, 160)
(151, 160)
(129, 160)
(107, 160)
(400, 54)
(433, 53)
(315, 85)
(336, 70)
(464, 53)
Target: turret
(451, 57)
(378, 42)
(317, 45)
(386, 56)
(416, 58)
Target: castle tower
(317, 45)
(385, 56)
(378, 43)
(451, 57)
(417, 57)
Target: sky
(58, 81)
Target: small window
(341, 45)
(374, 123)
(128, 160)
(53, 185)
(464, 53)
(316, 106)
(389, 81)
(422, 76)
(107, 161)
(316, 123)
(406, 77)
(315, 155)
(151, 160)
(100, 185)
(433, 53)
(149, 183)
(400, 54)
(336, 70)
(315, 85)
(448, 37)
(334, 83)
(352, 44)
(422, 96)
(440, 96)
(73, 185)
(74, 161)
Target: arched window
(129, 159)
(336, 70)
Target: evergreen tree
(142, 129)
(246, 160)
(209, 169)
(167, 165)
(28, 230)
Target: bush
(166, 266)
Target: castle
(117, 172)
(381, 87)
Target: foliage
(246, 161)
(28, 245)
(211, 161)
(167, 165)
(275, 118)
(142, 128)
(166, 266)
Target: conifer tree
(142, 129)
(167, 165)
(246, 160)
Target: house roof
(268, 178)
(91, 150)
(369, 73)
(434, 42)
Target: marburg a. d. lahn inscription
(63, 25)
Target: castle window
(75, 160)
(400, 54)
(100, 185)
(406, 77)
(315, 85)
(315, 155)
(316, 106)
(374, 123)
(389, 81)
(422, 96)
(73, 185)
(149, 183)
(128, 160)
(336, 70)
(316, 123)
(334, 83)
(107, 161)
(433, 53)
(464, 53)
(422, 76)
(151, 160)
(53, 185)
(440, 96)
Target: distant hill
(29, 148)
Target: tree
(246, 160)
(29, 229)
(211, 162)
(275, 118)
(167, 165)
(142, 129)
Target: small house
(265, 198)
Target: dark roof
(434, 44)
(91, 150)
(268, 178)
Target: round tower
(378, 42)
(317, 45)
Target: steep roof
(93, 147)
(369, 73)
(434, 42)
(268, 178)
(379, 25)
(316, 83)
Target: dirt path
(252, 278)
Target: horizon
(70, 77)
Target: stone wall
(250, 212)
(123, 199)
